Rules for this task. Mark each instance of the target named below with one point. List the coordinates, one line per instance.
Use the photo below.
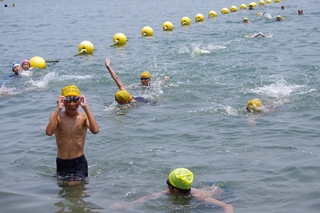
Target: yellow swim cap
(71, 90)
(245, 19)
(123, 97)
(181, 178)
(254, 105)
(145, 74)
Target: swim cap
(25, 61)
(181, 178)
(15, 64)
(278, 16)
(123, 97)
(71, 90)
(254, 105)
(245, 19)
(145, 74)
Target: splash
(4, 91)
(278, 89)
(42, 83)
(195, 49)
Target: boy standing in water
(70, 128)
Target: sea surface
(268, 162)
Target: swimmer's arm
(165, 79)
(91, 121)
(148, 197)
(226, 207)
(123, 205)
(53, 122)
(113, 74)
(54, 117)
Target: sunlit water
(197, 119)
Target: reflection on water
(74, 199)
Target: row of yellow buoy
(86, 47)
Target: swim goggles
(74, 99)
(144, 79)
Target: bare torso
(70, 135)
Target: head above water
(15, 64)
(279, 18)
(245, 20)
(181, 178)
(254, 105)
(70, 90)
(145, 74)
(145, 78)
(25, 62)
(300, 12)
(123, 97)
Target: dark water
(267, 163)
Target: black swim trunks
(73, 169)
(141, 100)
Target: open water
(267, 163)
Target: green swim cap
(181, 178)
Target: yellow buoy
(243, 7)
(224, 10)
(268, 1)
(233, 9)
(85, 47)
(261, 2)
(167, 26)
(185, 21)
(37, 62)
(254, 4)
(147, 31)
(212, 13)
(119, 39)
(276, 1)
(199, 17)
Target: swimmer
(279, 18)
(257, 109)
(250, 7)
(179, 184)
(255, 35)
(25, 65)
(145, 79)
(282, 7)
(254, 105)
(123, 97)
(245, 20)
(300, 12)
(16, 68)
(70, 128)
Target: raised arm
(91, 121)
(113, 75)
(54, 117)
(165, 79)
